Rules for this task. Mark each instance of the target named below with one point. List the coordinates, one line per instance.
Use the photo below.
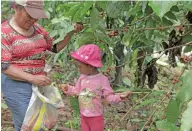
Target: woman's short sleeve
(6, 51)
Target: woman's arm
(64, 42)
(20, 75)
(77, 28)
(17, 74)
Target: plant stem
(164, 97)
(153, 28)
(133, 108)
(71, 125)
(186, 44)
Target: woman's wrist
(29, 77)
(71, 32)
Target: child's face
(83, 68)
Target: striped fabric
(24, 52)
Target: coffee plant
(129, 34)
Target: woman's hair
(13, 3)
(18, 6)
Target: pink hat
(88, 54)
(33, 7)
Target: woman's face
(23, 19)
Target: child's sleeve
(74, 90)
(109, 94)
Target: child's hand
(123, 95)
(64, 87)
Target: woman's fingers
(78, 27)
(41, 80)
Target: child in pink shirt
(91, 88)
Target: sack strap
(38, 123)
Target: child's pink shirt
(91, 90)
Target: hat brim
(36, 13)
(93, 63)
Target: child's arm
(68, 89)
(71, 90)
(109, 94)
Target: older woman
(23, 46)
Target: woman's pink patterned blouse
(24, 52)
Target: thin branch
(190, 31)
(153, 28)
(164, 97)
(140, 19)
(64, 129)
(186, 44)
(133, 108)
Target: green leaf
(53, 33)
(188, 4)
(149, 24)
(171, 15)
(3, 105)
(184, 93)
(166, 22)
(133, 61)
(144, 6)
(50, 9)
(146, 102)
(161, 7)
(145, 41)
(102, 4)
(127, 81)
(109, 55)
(73, 10)
(136, 120)
(186, 121)
(95, 19)
(187, 38)
(113, 8)
(147, 60)
(188, 49)
(134, 39)
(55, 21)
(133, 10)
(85, 38)
(62, 33)
(172, 111)
(86, 7)
(175, 9)
(100, 36)
(78, 17)
(127, 38)
(75, 105)
(166, 126)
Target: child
(91, 88)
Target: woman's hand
(40, 80)
(78, 27)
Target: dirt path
(112, 115)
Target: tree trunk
(119, 53)
(140, 79)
